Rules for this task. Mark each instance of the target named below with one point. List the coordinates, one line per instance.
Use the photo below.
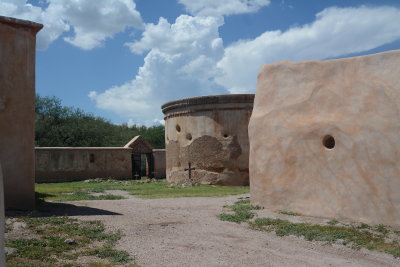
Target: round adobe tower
(210, 132)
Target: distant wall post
(159, 163)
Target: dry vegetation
(62, 241)
(380, 238)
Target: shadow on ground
(48, 209)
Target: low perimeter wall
(62, 164)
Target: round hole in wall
(226, 135)
(328, 141)
(189, 136)
(178, 128)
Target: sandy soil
(187, 232)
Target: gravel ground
(186, 232)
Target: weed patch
(60, 241)
(350, 235)
(242, 212)
(288, 212)
(107, 252)
(380, 238)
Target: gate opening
(142, 165)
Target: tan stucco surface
(61, 164)
(354, 100)
(211, 133)
(17, 110)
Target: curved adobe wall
(210, 132)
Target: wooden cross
(190, 169)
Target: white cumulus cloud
(181, 62)
(92, 22)
(54, 24)
(223, 7)
(95, 21)
(187, 58)
(335, 32)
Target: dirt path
(186, 232)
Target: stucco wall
(324, 138)
(211, 133)
(159, 163)
(17, 110)
(61, 164)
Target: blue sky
(122, 59)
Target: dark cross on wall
(190, 169)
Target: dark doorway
(136, 166)
(142, 165)
(142, 158)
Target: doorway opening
(142, 165)
(142, 158)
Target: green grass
(380, 238)
(242, 212)
(84, 195)
(44, 245)
(160, 189)
(348, 235)
(107, 252)
(334, 222)
(288, 212)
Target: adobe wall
(64, 164)
(210, 132)
(325, 138)
(159, 163)
(17, 110)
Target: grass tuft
(330, 233)
(355, 236)
(332, 222)
(242, 212)
(288, 212)
(48, 247)
(107, 252)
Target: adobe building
(210, 133)
(325, 138)
(17, 110)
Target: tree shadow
(48, 209)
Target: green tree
(57, 126)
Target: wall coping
(193, 104)
(210, 99)
(21, 23)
